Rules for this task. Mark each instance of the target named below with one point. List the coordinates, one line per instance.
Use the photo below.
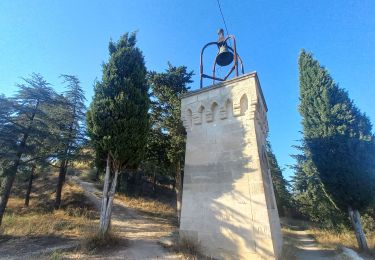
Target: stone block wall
(228, 203)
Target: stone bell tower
(228, 203)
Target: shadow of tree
(228, 202)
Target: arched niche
(189, 118)
(229, 108)
(201, 112)
(214, 110)
(244, 104)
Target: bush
(97, 242)
(368, 223)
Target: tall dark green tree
(280, 185)
(339, 141)
(119, 121)
(71, 131)
(167, 88)
(310, 197)
(23, 120)
(98, 155)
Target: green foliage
(70, 114)
(99, 153)
(118, 120)
(311, 200)
(336, 169)
(72, 109)
(26, 123)
(156, 160)
(346, 166)
(25, 131)
(283, 197)
(325, 108)
(368, 220)
(167, 138)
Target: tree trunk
(97, 174)
(104, 196)
(154, 181)
(10, 176)
(28, 191)
(107, 199)
(125, 182)
(60, 183)
(10, 173)
(178, 189)
(6, 187)
(358, 230)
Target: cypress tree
(338, 141)
(119, 121)
(311, 200)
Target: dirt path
(143, 232)
(303, 246)
(308, 248)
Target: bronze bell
(224, 57)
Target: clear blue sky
(71, 37)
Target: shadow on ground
(37, 245)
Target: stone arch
(244, 104)
(229, 107)
(200, 108)
(214, 110)
(189, 117)
(200, 113)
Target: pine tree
(156, 160)
(167, 89)
(23, 120)
(72, 114)
(338, 140)
(119, 121)
(282, 194)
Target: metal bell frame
(236, 58)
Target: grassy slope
(75, 219)
(330, 239)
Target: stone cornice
(228, 82)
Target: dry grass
(95, 242)
(331, 239)
(88, 175)
(289, 249)
(75, 219)
(191, 249)
(57, 223)
(149, 206)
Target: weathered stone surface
(228, 202)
